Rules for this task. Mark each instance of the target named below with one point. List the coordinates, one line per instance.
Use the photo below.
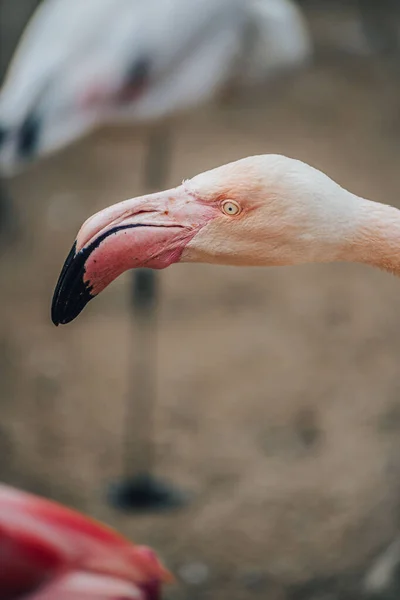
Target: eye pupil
(231, 208)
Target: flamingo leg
(140, 447)
(8, 216)
(139, 488)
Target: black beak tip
(66, 307)
(71, 293)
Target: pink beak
(149, 231)
(48, 552)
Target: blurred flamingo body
(80, 64)
(48, 552)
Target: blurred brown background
(278, 389)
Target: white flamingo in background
(81, 64)
(85, 63)
(48, 552)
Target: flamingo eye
(230, 208)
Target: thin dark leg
(141, 490)
(8, 217)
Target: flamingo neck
(376, 240)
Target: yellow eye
(230, 207)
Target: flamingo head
(262, 210)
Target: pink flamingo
(263, 210)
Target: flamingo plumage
(49, 552)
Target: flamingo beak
(150, 231)
(49, 552)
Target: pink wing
(53, 553)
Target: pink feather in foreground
(48, 552)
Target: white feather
(192, 48)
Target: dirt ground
(278, 389)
